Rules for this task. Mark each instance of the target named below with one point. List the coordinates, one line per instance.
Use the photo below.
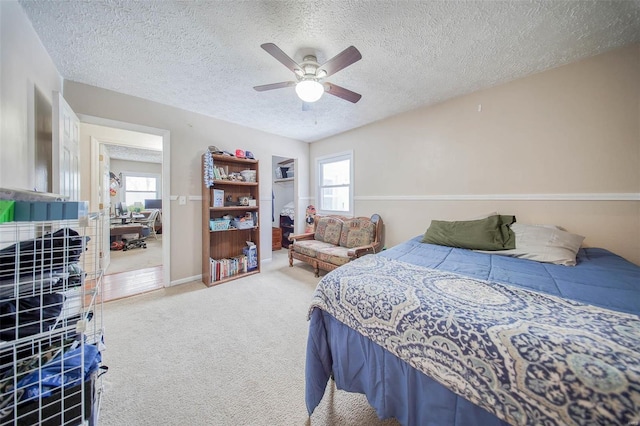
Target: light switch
(182, 200)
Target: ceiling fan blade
(277, 53)
(342, 60)
(274, 86)
(341, 92)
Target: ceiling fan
(310, 75)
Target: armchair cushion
(357, 232)
(310, 247)
(335, 255)
(328, 230)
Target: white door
(66, 149)
(104, 201)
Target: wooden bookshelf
(229, 243)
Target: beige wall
(108, 135)
(190, 136)
(24, 65)
(572, 131)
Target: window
(139, 187)
(335, 184)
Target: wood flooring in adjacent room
(131, 283)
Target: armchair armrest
(306, 236)
(372, 248)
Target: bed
(437, 335)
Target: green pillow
(491, 233)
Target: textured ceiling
(205, 56)
(129, 153)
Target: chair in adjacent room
(150, 222)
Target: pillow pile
(491, 233)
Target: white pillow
(544, 243)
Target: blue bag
(64, 370)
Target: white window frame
(157, 176)
(332, 158)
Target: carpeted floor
(137, 258)
(226, 355)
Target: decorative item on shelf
(235, 176)
(229, 201)
(208, 169)
(251, 251)
(249, 175)
(222, 172)
(240, 153)
(249, 155)
(218, 198)
(215, 150)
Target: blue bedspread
(600, 278)
(397, 390)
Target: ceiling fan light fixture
(309, 90)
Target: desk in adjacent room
(127, 218)
(118, 231)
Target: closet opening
(283, 210)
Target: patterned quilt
(526, 357)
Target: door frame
(98, 200)
(166, 187)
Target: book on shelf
(220, 269)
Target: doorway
(283, 200)
(135, 190)
(120, 151)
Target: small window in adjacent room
(139, 187)
(335, 184)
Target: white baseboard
(186, 280)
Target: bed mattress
(396, 389)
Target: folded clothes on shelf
(50, 252)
